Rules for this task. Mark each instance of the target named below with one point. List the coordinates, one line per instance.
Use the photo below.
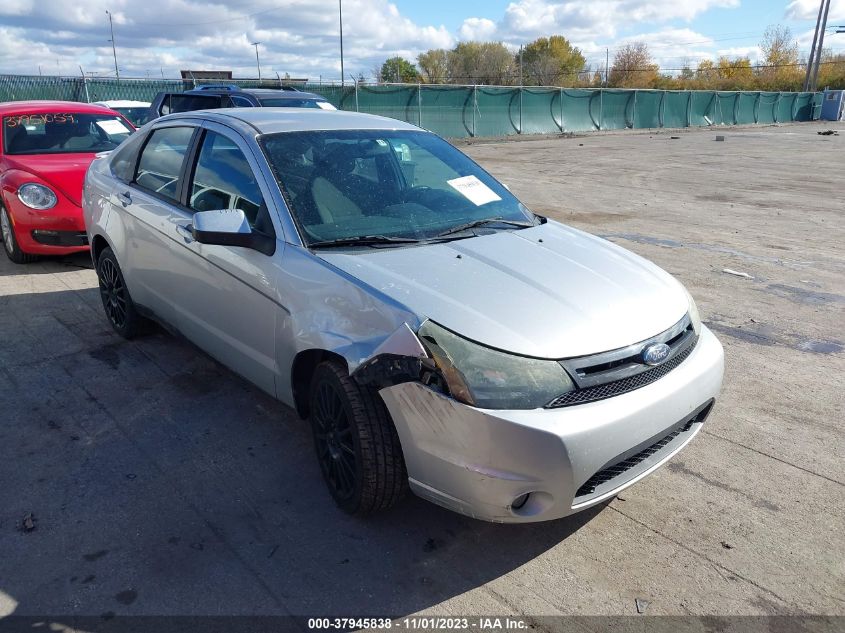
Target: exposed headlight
(694, 317)
(490, 379)
(37, 196)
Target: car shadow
(157, 482)
(45, 265)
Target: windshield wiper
(363, 240)
(485, 221)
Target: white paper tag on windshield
(473, 190)
(325, 105)
(112, 127)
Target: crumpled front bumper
(478, 461)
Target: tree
(633, 67)
(779, 49)
(780, 58)
(488, 63)
(398, 69)
(832, 71)
(550, 61)
(434, 65)
(705, 74)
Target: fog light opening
(532, 503)
(520, 501)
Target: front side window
(412, 185)
(161, 161)
(63, 133)
(223, 179)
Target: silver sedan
(438, 335)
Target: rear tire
(118, 304)
(10, 242)
(356, 443)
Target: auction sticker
(473, 190)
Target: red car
(45, 149)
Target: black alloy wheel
(118, 304)
(356, 443)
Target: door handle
(185, 231)
(125, 198)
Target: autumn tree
(832, 70)
(551, 61)
(488, 63)
(398, 69)
(434, 65)
(780, 69)
(633, 67)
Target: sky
(158, 38)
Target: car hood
(547, 292)
(63, 172)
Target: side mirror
(229, 227)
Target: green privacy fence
(469, 111)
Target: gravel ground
(160, 483)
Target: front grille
(610, 389)
(620, 468)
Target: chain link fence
(470, 111)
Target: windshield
(404, 184)
(297, 103)
(62, 133)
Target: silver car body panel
(477, 461)
(547, 292)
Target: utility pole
(606, 65)
(340, 19)
(821, 45)
(257, 63)
(113, 49)
(813, 48)
(521, 79)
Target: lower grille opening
(616, 473)
(60, 238)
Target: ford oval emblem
(655, 353)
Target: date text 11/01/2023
(421, 623)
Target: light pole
(113, 49)
(257, 63)
(819, 49)
(340, 18)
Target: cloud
(479, 29)
(300, 37)
(809, 10)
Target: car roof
(47, 107)
(273, 120)
(123, 103)
(276, 93)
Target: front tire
(356, 443)
(10, 242)
(118, 304)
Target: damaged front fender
(400, 358)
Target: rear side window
(124, 157)
(189, 103)
(241, 102)
(161, 161)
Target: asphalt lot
(160, 483)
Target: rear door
(154, 220)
